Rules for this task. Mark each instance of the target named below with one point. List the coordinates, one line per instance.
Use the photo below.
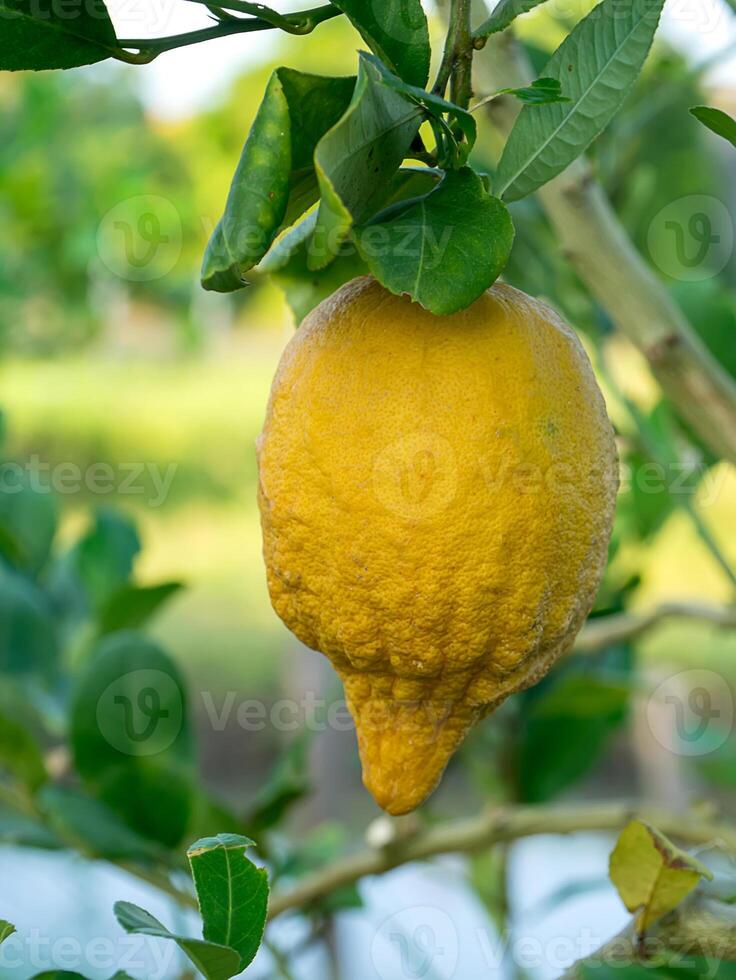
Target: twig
(619, 627)
(146, 50)
(591, 235)
(499, 826)
(299, 23)
(457, 58)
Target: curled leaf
(652, 876)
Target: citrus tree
(437, 488)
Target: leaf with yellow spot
(651, 874)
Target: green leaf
(67, 975)
(103, 559)
(567, 722)
(232, 893)
(444, 250)
(133, 605)
(652, 876)
(358, 157)
(395, 30)
(409, 182)
(543, 91)
(23, 831)
(717, 121)
(504, 13)
(275, 181)
(305, 288)
(130, 736)
(213, 961)
(20, 753)
(6, 929)
(28, 639)
(93, 827)
(28, 519)
(596, 66)
(40, 34)
(435, 107)
(288, 783)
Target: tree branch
(146, 50)
(497, 826)
(592, 237)
(457, 59)
(701, 927)
(619, 627)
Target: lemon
(436, 497)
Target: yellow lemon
(436, 497)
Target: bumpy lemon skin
(436, 496)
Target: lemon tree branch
(596, 243)
(600, 633)
(498, 826)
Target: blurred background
(131, 401)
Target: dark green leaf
(20, 754)
(288, 783)
(395, 30)
(717, 121)
(710, 306)
(130, 736)
(409, 182)
(504, 13)
(543, 91)
(27, 520)
(39, 34)
(6, 929)
(435, 107)
(358, 157)
(305, 288)
(93, 827)
(67, 975)
(104, 557)
(214, 962)
(232, 893)
(444, 249)
(133, 605)
(275, 181)
(24, 831)
(596, 66)
(567, 722)
(28, 640)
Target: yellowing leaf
(651, 874)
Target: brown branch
(592, 236)
(497, 826)
(619, 627)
